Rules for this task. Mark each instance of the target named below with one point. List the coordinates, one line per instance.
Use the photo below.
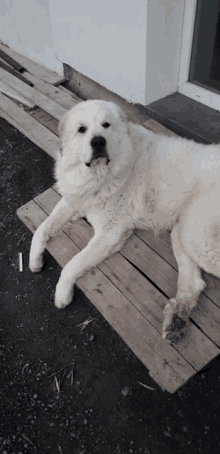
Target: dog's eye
(106, 125)
(82, 129)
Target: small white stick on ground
(20, 262)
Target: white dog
(121, 176)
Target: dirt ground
(66, 390)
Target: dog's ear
(123, 116)
(63, 132)
(138, 134)
(117, 109)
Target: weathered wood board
(33, 67)
(11, 61)
(11, 70)
(30, 127)
(127, 299)
(54, 93)
(5, 89)
(33, 95)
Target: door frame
(191, 90)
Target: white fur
(151, 181)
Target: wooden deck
(131, 287)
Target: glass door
(200, 54)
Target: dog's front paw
(63, 295)
(175, 321)
(36, 264)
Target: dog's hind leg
(59, 216)
(196, 244)
(190, 285)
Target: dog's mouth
(100, 159)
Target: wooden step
(31, 66)
(127, 299)
(30, 127)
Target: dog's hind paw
(174, 326)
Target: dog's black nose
(98, 143)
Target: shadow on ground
(95, 403)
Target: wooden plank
(15, 73)
(68, 92)
(34, 68)
(11, 61)
(151, 264)
(34, 96)
(137, 289)
(134, 330)
(54, 93)
(162, 246)
(5, 89)
(30, 127)
(142, 338)
(46, 120)
(206, 314)
(213, 288)
(157, 128)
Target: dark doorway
(205, 56)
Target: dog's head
(94, 133)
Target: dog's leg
(59, 216)
(190, 285)
(100, 247)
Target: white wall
(25, 26)
(131, 48)
(164, 40)
(105, 41)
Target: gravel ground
(72, 391)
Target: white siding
(105, 41)
(26, 27)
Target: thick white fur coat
(121, 176)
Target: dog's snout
(99, 149)
(98, 143)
